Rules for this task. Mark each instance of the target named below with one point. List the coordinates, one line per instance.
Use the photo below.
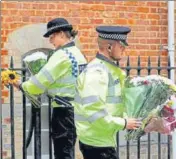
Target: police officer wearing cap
(98, 101)
(57, 78)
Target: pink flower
(167, 111)
(146, 82)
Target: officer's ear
(62, 34)
(109, 48)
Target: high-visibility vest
(98, 103)
(58, 76)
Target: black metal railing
(12, 116)
(24, 114)
(35, 124)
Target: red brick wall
(148, 20)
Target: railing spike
(11, 62)
(159, 61)
(169, 63)
(139, 61)
(128, 61)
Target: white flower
(136, 80)
(153, 77)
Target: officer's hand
(16, 84)
(133, 123)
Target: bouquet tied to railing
(146, 98)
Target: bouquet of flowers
(35, 62)
(144, 98)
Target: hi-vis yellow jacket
(98, 103)
(59, 75)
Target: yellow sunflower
(9, 77)
(170, 103)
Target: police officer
(98, 101)
(57, 78)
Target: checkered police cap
(113, 33)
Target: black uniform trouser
(63, 132)
(92, 152)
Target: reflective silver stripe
(111, 86)
(86, 100)
(48, 75)
(62, 91)
(111, 91)
(114, 100)
(111, 80)
(67, 80)
(35, 81)
(100, 114)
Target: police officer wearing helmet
(98, 101)
(58, 78)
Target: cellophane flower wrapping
(164, 122)
(35, 62)
(144, 98)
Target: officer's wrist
(125, 124)
(20, 87)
